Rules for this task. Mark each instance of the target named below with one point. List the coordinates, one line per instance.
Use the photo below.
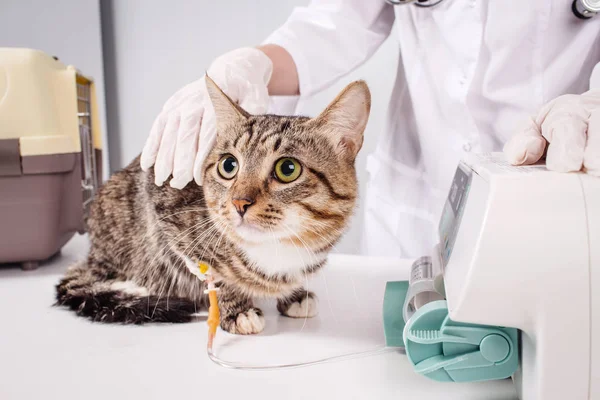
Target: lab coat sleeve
(595, 78)
(330, 38)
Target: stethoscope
(584, 9)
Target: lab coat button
(467, 147)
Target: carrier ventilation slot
(89, 182)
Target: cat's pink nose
(242, 204)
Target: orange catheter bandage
(214, 316)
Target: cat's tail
(94, 294)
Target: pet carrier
(50, 154)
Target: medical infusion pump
(520, 247)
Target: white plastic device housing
(527, 256)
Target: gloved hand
(570, 127)
(185, 130)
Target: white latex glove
(184, 131)
(570, 126)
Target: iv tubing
(213, 323)
(349, 356)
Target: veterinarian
(473, 76)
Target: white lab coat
(470, 72)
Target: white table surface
(49, 353)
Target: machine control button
(494, 348)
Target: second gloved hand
(569, 126)
(185, 130)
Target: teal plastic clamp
(444, 350)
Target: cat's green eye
(228, 166)
(287, 170)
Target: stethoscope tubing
(582, 9)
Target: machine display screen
(453, 210)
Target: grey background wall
(154, 47)
(67, 29)
(142, 51)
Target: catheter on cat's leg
(214, 315)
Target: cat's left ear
(227, 112)
(345, 118)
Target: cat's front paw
(300, 305)
(244, 323)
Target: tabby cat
(277, 195)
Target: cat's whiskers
(217, 246)
(213, 231)
(175, 269)
(150, 231)
(171, 243)
(336, 233)
(192, 245)
(216, 232)
(328, 229)
(196, 201)
(195, 209)
(223, 234)
(194, 241)
(218, 226)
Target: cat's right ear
(227, 112)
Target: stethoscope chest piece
(418, 3)
(585, 9)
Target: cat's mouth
(249, 231)
(255, 233)
(243, 224)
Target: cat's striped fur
(145, 238)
